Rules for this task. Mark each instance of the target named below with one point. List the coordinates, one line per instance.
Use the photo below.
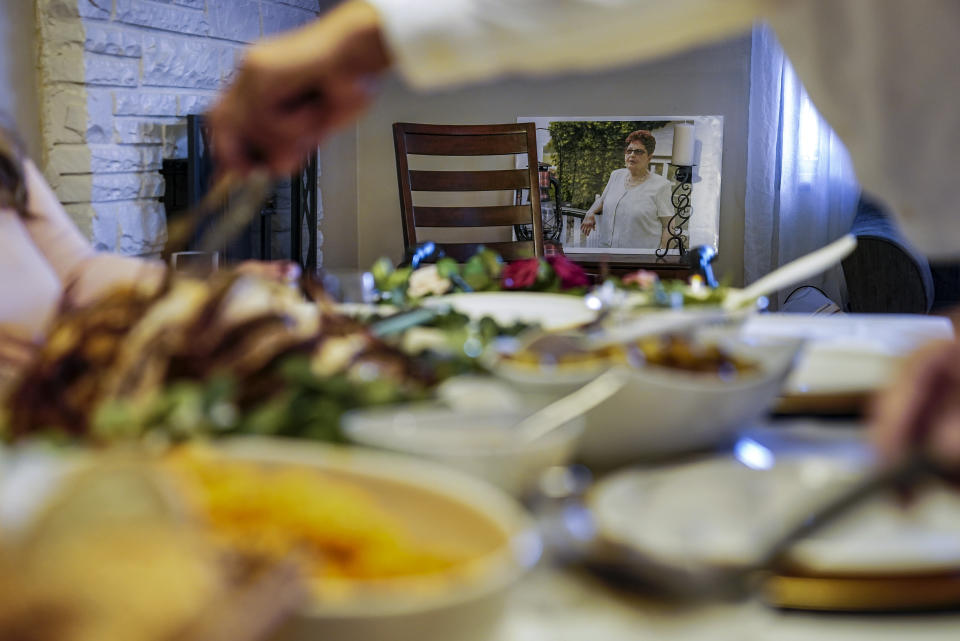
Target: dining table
(598, 265)
(555, 603)
(843, 355)
(560, 601)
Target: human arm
(291, 92)
(590, 218)
(84, 274)
(589, 223)
(462, 41)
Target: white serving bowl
(435, 504)
(662, 411)
(441, 507)
(477, 441)
(622, 327)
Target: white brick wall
(118, 77)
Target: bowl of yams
(684, 391)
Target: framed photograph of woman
(609, 184)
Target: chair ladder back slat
(493, 180)
(495, 216)
(472, 145)
(464, 130)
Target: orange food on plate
(672, 351)
(337, 529)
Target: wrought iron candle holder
(680, 198)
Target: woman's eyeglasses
(629, 151)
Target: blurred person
(921, 406)
(880, 72)
(44, 260)
(635, 205)
(46, 265)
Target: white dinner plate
(847, 357)
(841, 370)
(722, 511)
(832, 379)
(553, 312)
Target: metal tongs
(238, 196)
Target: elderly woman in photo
(635, 205)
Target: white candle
(683, 143)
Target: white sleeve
(450, 42)
(606, 190)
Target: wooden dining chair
(469, 140)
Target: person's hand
(293, 91)
(588, 225)
(283, 271)
(16, 354)
(921, 408)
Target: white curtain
(801, 190)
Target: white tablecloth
(848, 352)
(887, 333)
(554, 604)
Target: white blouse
(633, 217)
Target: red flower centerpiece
(521, 274)
(570, 274)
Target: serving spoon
(569, 407)
(606, 298)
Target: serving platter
(721, 511)
(797, 590)
(553, 312)
(491, 537)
